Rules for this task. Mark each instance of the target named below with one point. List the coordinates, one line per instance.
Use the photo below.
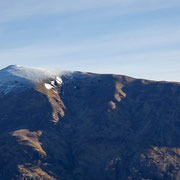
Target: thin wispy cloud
(11, 10)
(119, 53)
(135, 41)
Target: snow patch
(53, 83)
(48, 86)
(59, 80)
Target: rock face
(91, 127)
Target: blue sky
(131, 37)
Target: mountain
(85, 126)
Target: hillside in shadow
(97, 127)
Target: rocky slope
(84, 126)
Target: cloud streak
(19, 9)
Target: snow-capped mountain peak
(18, 77)
(28, 73)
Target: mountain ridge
(91, 127)
(44, 73)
